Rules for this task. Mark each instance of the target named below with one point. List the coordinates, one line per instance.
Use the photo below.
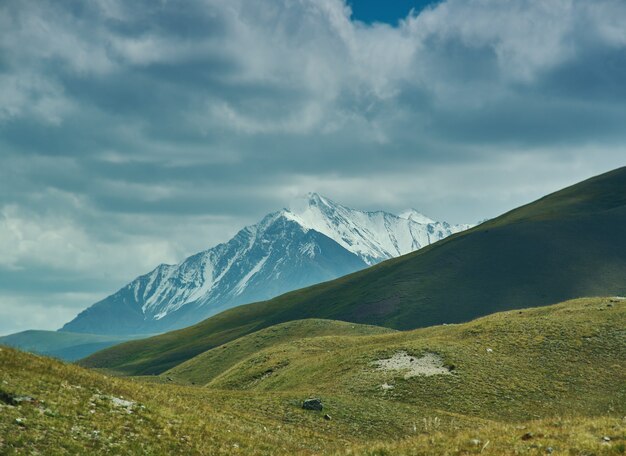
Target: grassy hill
(204, 367)
(63, 345)
(566, 245)
(553, 378)
(521, 364)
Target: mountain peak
(316, 239)
(372, 236)
(416, 216)
(270, 221)
(315, 199)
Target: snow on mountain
(286, 250)
(373, 236)
(416, 216)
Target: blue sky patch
(388, 11)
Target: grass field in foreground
(571, 399)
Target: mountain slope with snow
(287, 250)
(373, 236)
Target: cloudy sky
(137, 132)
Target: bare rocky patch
(427, 365)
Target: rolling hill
(529, 382)
(507, 366)
(510, 365)
(204, 367)
(568, 244)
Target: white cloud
(311, 49)
(526, 37)
(48, 312)
(23, 95)
(36, 33)
(56, 242)
(135, 133)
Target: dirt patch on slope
(428, 365)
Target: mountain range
(566, 245)
(286, 250)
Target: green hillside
(63, 345)
(510, 383)
(204, 367)
(508, 366)
(566, 245)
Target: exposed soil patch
(427, 365)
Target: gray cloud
(133, 133)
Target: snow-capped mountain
(287, 250)
(416, 216)
(373, 236)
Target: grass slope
(566, 245)
(63, 345)
(204, 367)
(578, 436)
(554, 379)
(513, 365)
